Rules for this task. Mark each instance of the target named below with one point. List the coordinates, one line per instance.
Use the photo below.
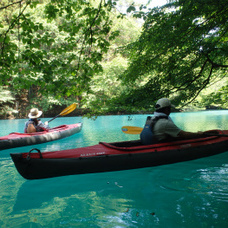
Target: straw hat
(34, 113)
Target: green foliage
(105, 86)
(182, 49)
(6, 98)
(54, 48)
(53, 52)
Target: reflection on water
(215, 179)
(187, 194)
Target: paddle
(137, 130)
(131, 130)
(66, 111)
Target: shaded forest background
(112, 57)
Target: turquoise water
(188, 194)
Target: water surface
(186, 194)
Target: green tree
(52, 48)
(105, 87)
(6, 98)
(182, 49)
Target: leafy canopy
(182, 49)
(54, 51)
(56, 45)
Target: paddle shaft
(53, 118)
(137, 130)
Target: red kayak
(25, 139)
(105, 157)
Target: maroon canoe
(105, 157)
(25, 139)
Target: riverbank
(88, 113)
(23, 114)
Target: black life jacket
(147, 137)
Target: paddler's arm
(190, 135)
(43, 126)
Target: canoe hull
(20, 139)
(52, 167)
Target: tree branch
(13, 3)
(12, 25)
(215, 65)
(205, 83)
(89, 30)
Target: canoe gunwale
(153, 146)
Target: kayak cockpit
(137, 144)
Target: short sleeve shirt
(164, 129)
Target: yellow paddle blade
(68, 109)
(131, 130)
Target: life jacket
(39, 127)
(147, 137)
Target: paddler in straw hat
(34, 124)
